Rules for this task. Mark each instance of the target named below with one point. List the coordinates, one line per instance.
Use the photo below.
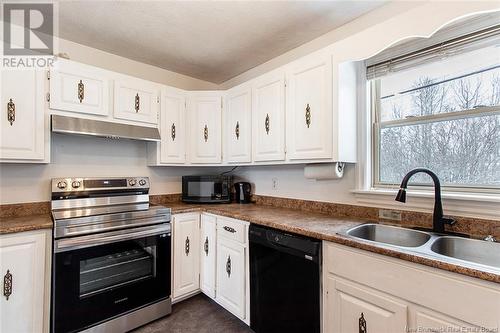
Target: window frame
(376, 126)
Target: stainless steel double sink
(467, 252)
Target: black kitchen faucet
(438, 220)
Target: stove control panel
(98, 184)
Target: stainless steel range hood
(70, 125)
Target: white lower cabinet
(367, 292)
(233, 284)
(208, 241)
(231, 276)
(25, 282)
(186, 255)
(352, 308)
(220, 263)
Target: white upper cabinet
(22, 129)
(205, 125)
(268, 114)
(79, 88)
(173, 126)
(136, 100)
(309, 108)
(238, 125)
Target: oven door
(101, 276)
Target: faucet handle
(448, 220)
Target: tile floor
(198, 314)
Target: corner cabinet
(268, 113)
(22, 123)
(208, 241)
(392, 295)
(238, 125)
(205, 127)
(25, 282)
(171, 150)
(80, 88)
(136, 100)
(186, 255)
(309, 108)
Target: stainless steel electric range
(111, 255)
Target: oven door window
(126, 265)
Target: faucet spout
(438, 220)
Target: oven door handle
(69, 244)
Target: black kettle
(242, 192)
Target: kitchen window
(439, 108)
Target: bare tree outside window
(449, 123)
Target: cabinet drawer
(232, 229)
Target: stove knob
(132, 182)
(62, 185)
(76, 184)
(142, 182)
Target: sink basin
(475, 251)
(390, 235)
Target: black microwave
(207, 189)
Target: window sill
(484, 206)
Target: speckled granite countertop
(14, 224)
(317, 225)
(324, 227)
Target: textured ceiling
(209, 40)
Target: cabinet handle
(231, 230)
(7, 285)
(137, 102)
(205, 246)
(308, 115)
(237, 130)
(362, 324)
(228, 266)
(267, 123)
(186, 246)
(11, 112)
(205, 133)
(81, 91)
(172, 132)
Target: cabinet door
(426, 320)
(173, 126)
(22, 262)
(186, 252)
(79, 88)
(208, 255)
(238, 127)
(350, 308)
(231, 258)
(309, 108)
(205, 128)
(22, 119)
(268, 114)
(136, 100)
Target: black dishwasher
(284, 282)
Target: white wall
(80, 156)
(292, 184)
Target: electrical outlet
(275, 184)
(389, 214)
